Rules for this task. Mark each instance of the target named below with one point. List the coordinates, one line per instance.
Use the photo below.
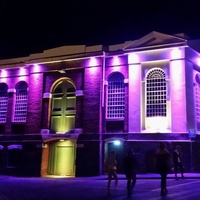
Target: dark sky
(30, 26)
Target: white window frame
(115, 106)
(156, 93)
(21, 102)
(3, 102)
(197, 97)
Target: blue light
(117, 142)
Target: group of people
(163, 165)
(130, 166)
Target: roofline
(156, 46)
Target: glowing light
(93, 70)
(22, 71)
(117, 142)
(116, 61)
(157, 123)
(133, 58)
(36, 68)
(4, 73)
(93, 62)
(176, 53)
(22, 78)
(116, 68)
(198, 61)
(177, 67)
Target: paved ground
(88, 188)
(156, 176)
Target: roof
(152, 40)
(155, 39)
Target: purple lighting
(176, 53)
(36, 68)
(3, 73)
(133, 58)
(93, 62)
(115, 61)
(116, 68)
(198, 61)
(22, 71)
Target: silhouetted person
(177, 162)
(130, 166)
(111, 165)
(162, 161)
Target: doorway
(62, 158)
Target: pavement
(95, 187)
(155, 176)
(122, 176)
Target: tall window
(197, 97)
(115, 96)
(156, 93)
(21, 102)
(3, 102)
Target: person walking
(177, 162)
(130, 166)
(111, 165)
(162, 159)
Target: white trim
(105, 82)
(47, 95)
(11, 90)
(126, 80)
(15, 146)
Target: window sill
(115, 119)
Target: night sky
(31, 26)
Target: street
(17, 188)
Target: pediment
(155, 39)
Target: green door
(62, 158)
(63, 107)
(64, 162)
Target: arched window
(3, 102)
(156, 93)
(20, 111)
(115, 96)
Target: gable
(155, 39)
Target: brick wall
(35, 93)
(92, 83)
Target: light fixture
(62, 71)
(117, 142)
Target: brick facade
(88, 70)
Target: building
(63, 110)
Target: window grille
(156, 93)
(116, 96)
(197, 95)
(3, 102)
(20, 111)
